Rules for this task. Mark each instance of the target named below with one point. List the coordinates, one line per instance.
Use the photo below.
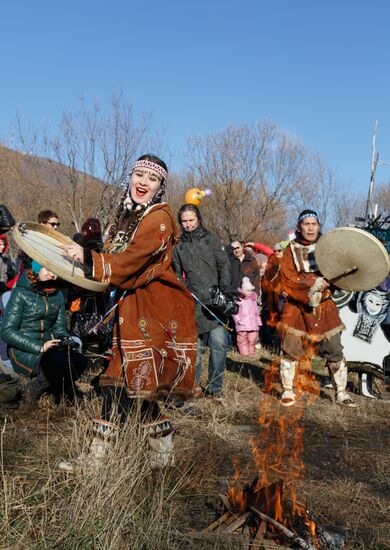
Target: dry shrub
(124, 500)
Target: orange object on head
(195, 196)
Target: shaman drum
(352, 259)
(44, 246)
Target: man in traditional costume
(155, 337)
(309, 317)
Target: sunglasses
(54, 224)
(236, 247)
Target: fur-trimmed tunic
(308, 313)
(155, 337)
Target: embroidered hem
(159, 393)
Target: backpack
(10, 391)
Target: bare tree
(347, 207)
(319, 190)
(177, 187)
(94, 149)
(252, 170)
(382, 198)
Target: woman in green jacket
(34, 328)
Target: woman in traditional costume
(154, 337)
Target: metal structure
(378, 224)
(374, 221)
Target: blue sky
(318, 69)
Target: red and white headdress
(151, 166)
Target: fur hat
(261, 259)
(246, 284)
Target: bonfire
(268, 507)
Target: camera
(231, 308)
(219, 300)
(67, 342)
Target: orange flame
(278, 450)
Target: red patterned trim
(152, 166)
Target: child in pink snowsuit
(247, 320)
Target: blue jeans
(217, 341)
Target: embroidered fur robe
(155, 337)
(308, 312)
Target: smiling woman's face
(144, 183)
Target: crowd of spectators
(233, 287)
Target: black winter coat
(201, 261)
(32, 317)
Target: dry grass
(127, 505)
(44, 508)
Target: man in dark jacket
(244, 264)
(201, 261)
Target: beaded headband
(152, 166)
(308, 215)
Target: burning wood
(294, 538)
(291, 528)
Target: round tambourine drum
(352, 259)
(44, 246)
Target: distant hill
(29, 184)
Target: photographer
(201, 261)
(38, 342)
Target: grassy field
(344, 477)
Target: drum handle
(353, 269)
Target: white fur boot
(160, 438)
(339, 375)
(161, 451)
(104, 435)
(287, 374)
